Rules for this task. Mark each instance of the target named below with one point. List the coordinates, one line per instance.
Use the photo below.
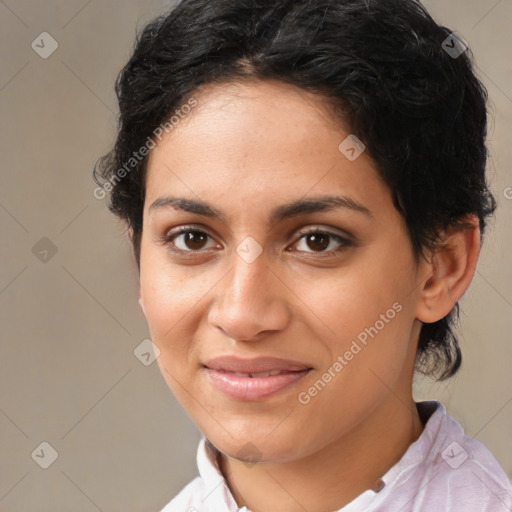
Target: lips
(254, 379)
(253, 366)
(259, 374)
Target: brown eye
(321, 242)
(318, 241)
(195, 240)
(187, 240)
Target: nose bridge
(248, 283)
(249, 300)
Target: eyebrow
(278, 214)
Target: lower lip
(251, 389)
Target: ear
(141, 304)
(449, 272)
(140, 301)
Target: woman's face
(269, 268)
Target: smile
(256, 379)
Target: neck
(334, 476)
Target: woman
(304, 186)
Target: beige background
(70, 325)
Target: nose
(251, 300)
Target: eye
(187, 239)
(319, 241)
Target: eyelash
(168, 240)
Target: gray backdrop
(68, 284)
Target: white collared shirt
(442, 471)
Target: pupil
(320, 239)
(193, 237)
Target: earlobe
(450, 271)
(141, 305)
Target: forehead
(264, 100)
(257, 144)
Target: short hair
(385, 68)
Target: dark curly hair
(383, 65)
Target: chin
(254, 448)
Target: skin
(246, 149)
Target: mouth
(256, 379)
(260, 374)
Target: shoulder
(478, 484)
(471, 477)
(459, 472)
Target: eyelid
(171, 234)
(328, 231)
(345, 238)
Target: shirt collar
(219, 496)
(217, 492)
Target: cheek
(168, 291)
(169, 301)
(346, 301)
(363, 316)
(172, 308)
(367, 357)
